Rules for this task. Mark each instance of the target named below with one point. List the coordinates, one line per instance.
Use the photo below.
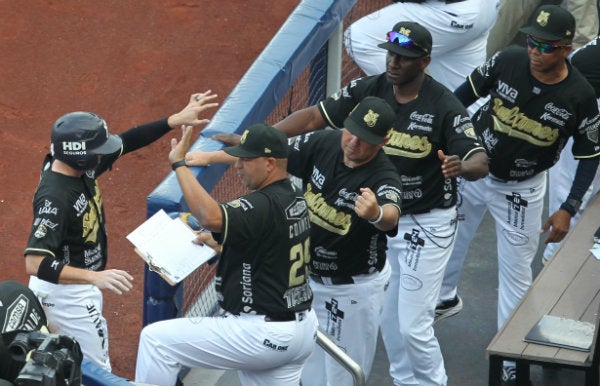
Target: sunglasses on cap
(544, 48)
(402, 40)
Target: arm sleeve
(584, 175)
(465, 94)
(143, 135)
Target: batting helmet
(78, 139)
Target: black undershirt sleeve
(143, 135)
(586, 170)
(465, 94)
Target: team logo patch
(40, 232)
(370, 118)
(542, 18)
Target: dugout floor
(463, 338)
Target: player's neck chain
(403, 98)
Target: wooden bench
(568, 286)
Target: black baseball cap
(408, 39)
(260, 140)
(371, 120)
(550, 22)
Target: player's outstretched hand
(115, 280)
(190, 115)
(451, 164)
(559, 222)
(227, 139)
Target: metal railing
(342, 358)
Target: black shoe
(448, 308)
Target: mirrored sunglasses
(544, 48)
(402, 40)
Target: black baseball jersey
(586, 60)
(68, 218)
(525, 124)
(263, 268)
(434, 120)
(342, 244)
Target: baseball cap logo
(243, 139)
(542, 18)
(404, 31)
(370, 118)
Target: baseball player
(267, 329)
(353, 195)
(512, 14)
(560, 176)
(431, 143)
(537, 101)
(66, 254)
(459, 28)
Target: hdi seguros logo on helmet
(74, 148)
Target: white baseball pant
(75, 310)
(264, 353)
(456, 50)
(418, 256)
(516, 208)
(349, 315)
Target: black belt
(332, 279)
(284, 317)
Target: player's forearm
(389, 218)
(475, 167)
(66, 275)
(584, 175)
(301, 121)
(201, 204)
(205, 158)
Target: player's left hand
(190, 115)
(366, 205)
(451, 164)
(560, 222)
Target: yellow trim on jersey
(28, 251)
(225, 224)
(473, 87)
(473, 151)
(327, 118)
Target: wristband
(571, 205)
(50, 269)
(378, 219)
(177, 164)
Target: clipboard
(562, 332)
(166, 245)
